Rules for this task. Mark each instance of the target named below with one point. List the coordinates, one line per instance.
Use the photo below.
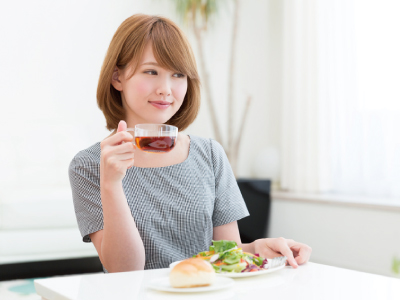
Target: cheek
(180, 91)
(141, 87)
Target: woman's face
(152, 94)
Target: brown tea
(155, 144)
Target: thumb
(122, 126)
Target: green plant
(396, 266)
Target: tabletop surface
(309, 281)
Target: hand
(117, 155)
(296, 253)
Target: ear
(115, 80)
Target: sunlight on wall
(378, 46)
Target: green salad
(225, 256)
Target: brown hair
(172, 52)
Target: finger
(304, 253)
(271, 249)
(124, 156)
(295, 253)
(131, 163)
(285, 250)
(302, 258)
(128, 162)
(124, 148)
(295, 247)
(269, 253)
(299, 260)
(122, 126)
(118, 138)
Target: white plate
(162, 284)
(236, 275)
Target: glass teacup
(155, 138)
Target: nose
(164, 88)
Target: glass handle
(132, 129)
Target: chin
(157, 120)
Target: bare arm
(230, 232)
(119, 244)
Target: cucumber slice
(237, 268)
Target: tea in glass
(155, 138)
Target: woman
(142, 210)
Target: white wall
(258, 70)
(51, 55)
(362, 239)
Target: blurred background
(305, 93)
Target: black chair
(256, 194)
(50, 268)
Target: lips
(160, 104)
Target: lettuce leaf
(232, 258)
(223, 245)
(216, 268)
(233, 268)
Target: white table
(309, 281)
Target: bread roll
(192, 272)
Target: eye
(151, 72)
(179, 75)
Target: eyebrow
(151, 63)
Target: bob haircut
(172, 52)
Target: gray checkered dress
(175, 208)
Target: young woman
(144, 210)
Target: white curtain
(332, 142)
(318, 81)
(369, 162)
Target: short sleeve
(229, 204)
(84, 176)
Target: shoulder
(207, 148)
(86, 157)
(184, 140)
(206, 143)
